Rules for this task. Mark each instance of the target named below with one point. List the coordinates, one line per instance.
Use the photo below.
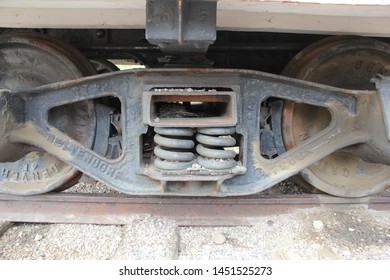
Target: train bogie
(210, 113)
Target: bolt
(101, 33)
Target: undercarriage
(223, 114)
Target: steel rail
(118, 208)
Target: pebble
(318, 225)
(346, 253)
(38, 237)
(194, 250)
(327, 253)
(351, 229)
(218, 238)
(270, 222)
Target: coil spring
(172, 151)
(211, 148)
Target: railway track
(116, 209)
(116, 226)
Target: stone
(38, 237)
(218, 238)
(318, 225)
(327, 253)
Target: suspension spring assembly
(212, 142)
(173, 150)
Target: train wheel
(29, 60)
(344, 62)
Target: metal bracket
(181, 27)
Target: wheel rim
(345, 62)
(28, 60)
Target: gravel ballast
(320, 233)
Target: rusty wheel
(345, 62)
(29, 60)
